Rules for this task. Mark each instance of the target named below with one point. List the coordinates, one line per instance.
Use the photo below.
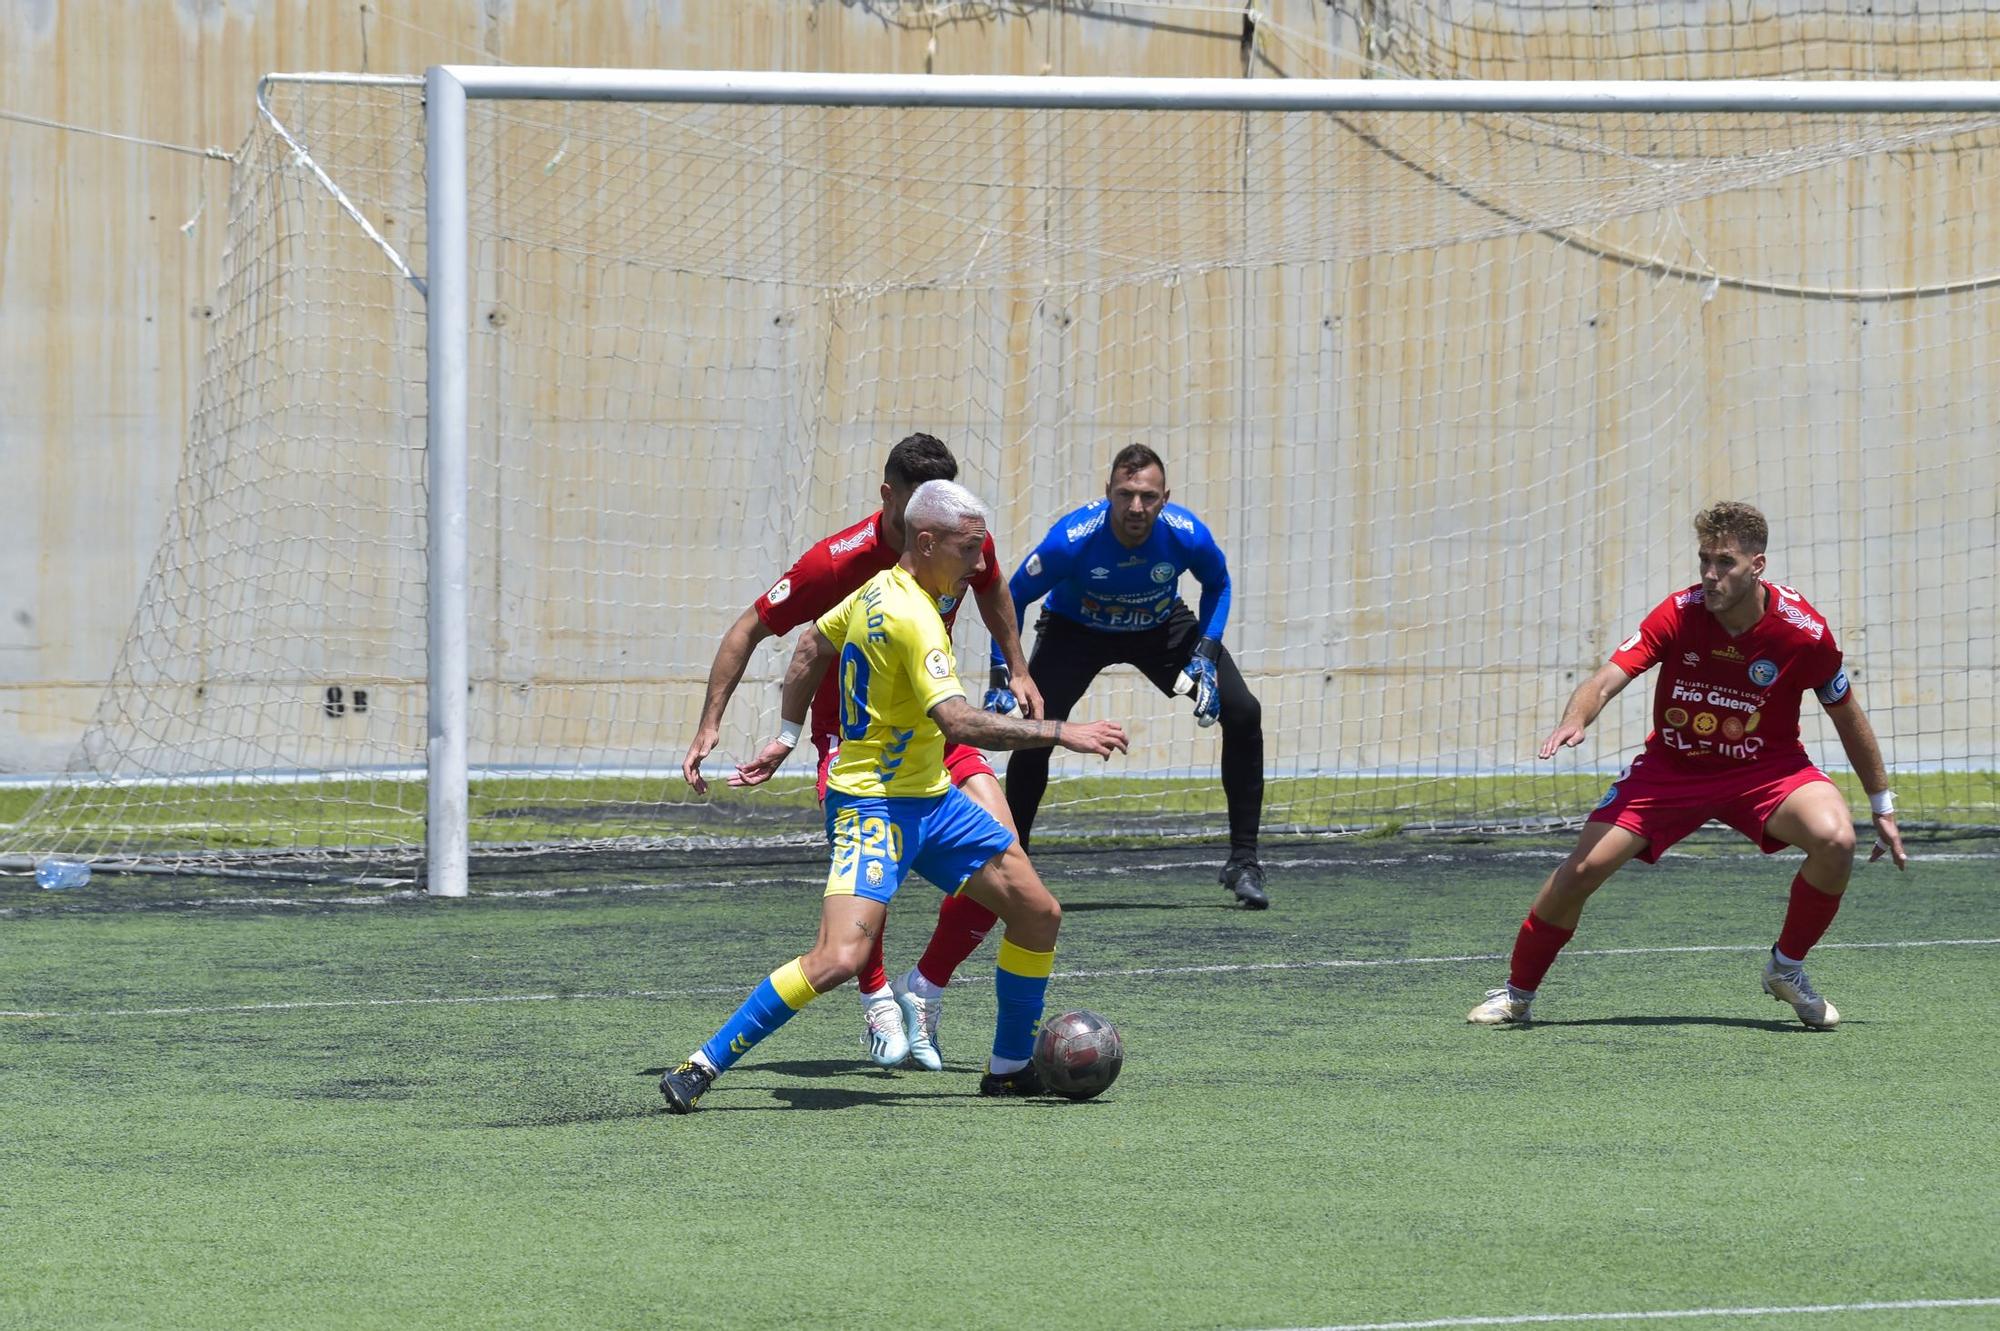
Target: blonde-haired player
(890, 807)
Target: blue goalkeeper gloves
(1198, 677)
(999, 697)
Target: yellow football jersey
(895, 665)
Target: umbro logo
(1100, 572)
(1691, 658)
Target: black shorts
(1069, 655)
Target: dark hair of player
(1136, 457)
(1731, 521)
(918, 458)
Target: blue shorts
(878, 841)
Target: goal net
(1447, 386)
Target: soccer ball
(1078, 1054)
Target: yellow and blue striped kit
(878, 842)
(895, 665)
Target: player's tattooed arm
(1584, 705)
(963, 723)
(1864, 755)
(802, 678)
(809, 662)
(723, 676)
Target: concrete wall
(105, 304)
(105, 291)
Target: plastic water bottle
(56, 875)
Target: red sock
(961, 928)
(871, 976)
(1806, 919)
(1535, 949)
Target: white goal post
(448, 87)
(1447, 364)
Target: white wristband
(1882, 802)
(788, 733)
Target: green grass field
(259, 1105)
(196, 819)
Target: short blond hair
(1735, 522)
(943, 506)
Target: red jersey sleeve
(1829, 675)
(807, 591)
(1643, 650)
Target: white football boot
(1792, 986)
(1501, 1006)
(887, 1043)
(920, 1018)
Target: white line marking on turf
(807, 876)
(1132, 972)
(1663, 1315)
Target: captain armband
(1835, 689)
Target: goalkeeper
(1111, 571)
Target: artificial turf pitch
(254, 1105)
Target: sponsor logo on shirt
(849, 544)
(1692, 596)
(1763, 671)
(1705, 723)
(1732, 727)
(1100, 572)
(1077, 531)
(1715, 697)
(1676, 716)
(937, 664)
(1800, 620)
(1164, 573)
(1727, 653)
(1035, 566)
(779, 591)
(1132, 562)
(1691, 658)
(1123, 613)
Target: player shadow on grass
(807, 1086)
(1747, 1023)
(795, 1067)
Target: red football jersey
(833, 570)
(1725, 701)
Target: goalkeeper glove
(1198, 677)
(1000, 698)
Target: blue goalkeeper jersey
(1091, 578)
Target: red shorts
(1664, 804)
(962, 762)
